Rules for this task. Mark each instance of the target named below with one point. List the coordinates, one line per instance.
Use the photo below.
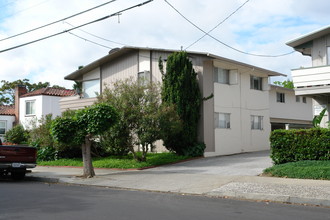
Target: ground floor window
(222, 120)
(3, 127)
(256, 122)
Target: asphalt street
(34, 200)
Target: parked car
(15, 159)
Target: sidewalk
(310, 192)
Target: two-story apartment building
(314, 81)
(235, 120)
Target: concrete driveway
(247, 164)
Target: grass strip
(124, 162)
(308, 169)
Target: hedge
(297, 145)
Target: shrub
(17, 135)
(297, 145)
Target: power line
(54, 22)
(65, 31)
(218, 24)
(102, 38)
(93, 42)
(240, 51)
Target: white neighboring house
(288, 111)
(235, 120)
(7, 119)
(34, 105)
(314, 81)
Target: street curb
(43, 179)
(273, 198)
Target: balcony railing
(313, 76)
(75, 102)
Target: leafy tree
(7, 89)
(286, 84)
(180, 87)
(318, 118)
(142, 116)
(82, 128)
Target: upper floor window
(91, 88)
(144, 77)
(256, 83)
(304, 100)
(222, 120)
(221, 75)
(30, 107)
(256, 122)
(3, 127)
(297, 98)
(280, 97)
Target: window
(221, 75)
(91, 88)
(144, 77)
(3, 127)
(297, 98)
(255, 83)
(30, 107)
(222, 120)
(256, 122)
(280, 97)
(304, 100)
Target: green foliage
(286, 84)
(7, 89)
(140, 116)
(297, 145)
(17, 135)
(180, 88)
(96, 119)
(47, 153)
(302, 170)
(318, 118)
(40, 135)
(195, 151)
(67, 131)
(121, 162)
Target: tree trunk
(87, 158)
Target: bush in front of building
(298, 145)
(17, 135)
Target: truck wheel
(18, 174)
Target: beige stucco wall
(240, 102)
(290, 110)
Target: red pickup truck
(15, 159)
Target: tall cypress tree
(180, 87)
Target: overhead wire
(66, 31)
(85, 39)
(221, 42)
(102, 38)
(54, 22)
(221, 22)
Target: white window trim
(280, 97)
(30, 101)
(87, 95)
(260, 122)
(144, 77)
(224, 72)
(5, 127)
(252, 84)
(217, 120)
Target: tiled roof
(51, 92)
(7, 110)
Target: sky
(258, 27)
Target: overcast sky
(259, 27)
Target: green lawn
(302, 170)
(127, 162)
